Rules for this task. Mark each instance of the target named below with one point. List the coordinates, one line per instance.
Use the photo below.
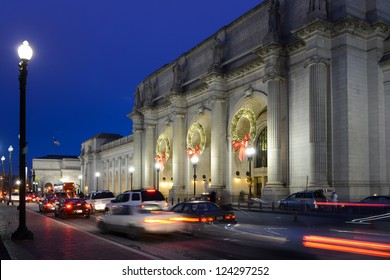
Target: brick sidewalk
(54, 240)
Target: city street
(259, 234)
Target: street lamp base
(22, 234)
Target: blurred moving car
(136, 221)
(47, 204)
(374, 204)
(203, 212)
(67, 207)
(99, 199)
(31, 197)
(137, 197)
(302, 201)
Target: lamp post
(2, 174)
(10, 150)
(97, 175)
(25, 53)
(250, 153)
(131, 170)
(80, 177)
(194, 161)
(158, 166)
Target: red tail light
(206, 219)
(68, 206)
(49, 204)
(229, 217)
(88, 206)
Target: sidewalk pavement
(54, 240)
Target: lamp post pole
(80, 177)
(249, 153)
(22, 232)
(131, 170)
(10, 150)
(158, 166)
(194, 161)
(2, 174)
(97, 175)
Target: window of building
(262, 150)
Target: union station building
(304, 83)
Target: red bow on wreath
(241, 145)
(193, 152)
(161, 159)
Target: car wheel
(87, 216)
(282, 207)
(56, 214)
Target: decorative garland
(241, 144)
(196, 149)
(163, 156)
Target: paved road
(259, 235)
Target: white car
(136, 221)
(136, 198)
(14, 196)
(99, 199)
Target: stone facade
(306, 83)
(55, 170)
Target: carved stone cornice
(245, 69)
(362, 29)
(213, 77)
(273, 49)
(318, 27)
(295, 47)
(203, 88)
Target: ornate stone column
(149, 172)
(218, 142)
(274, 59)
(138, 147)
(274, 133)
(178, 150)
(218, 137)
(318, 87)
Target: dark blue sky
(89, 56)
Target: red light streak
(343, 204)
(346, 245)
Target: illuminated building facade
(306, 83)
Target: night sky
(89, 56)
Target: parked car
(47, 204)
(67, 207)
(136, 221)
(302, 201)
(136, 198)
(99, 199)
(203, 212)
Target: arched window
(261, 159)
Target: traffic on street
(268, 234)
